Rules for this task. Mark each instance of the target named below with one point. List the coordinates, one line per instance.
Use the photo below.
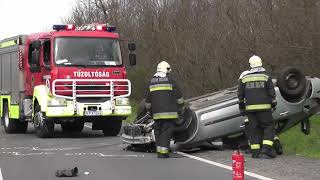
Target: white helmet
(164, 67)
(255, 61)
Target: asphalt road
(24, 156)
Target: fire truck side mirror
(132, 46)
(36, 44)
(132, 59)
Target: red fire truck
(68, 76)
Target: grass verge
(295, 142)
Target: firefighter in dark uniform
(164, 100)
(256, 100)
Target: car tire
(111, 127)
(69, 127)
(12, 126)
(292, 83)
(43, 127)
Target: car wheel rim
(292, 81)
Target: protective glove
(274, 103)
(69, 172)
(246, 122)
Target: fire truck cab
(68, 76)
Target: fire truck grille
(92, 87)
(82, 88)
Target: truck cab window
(30, 52)
(46, 53)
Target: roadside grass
(295, 142)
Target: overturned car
(217, 116)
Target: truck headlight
(122, 102)
(57, 102)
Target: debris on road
(69, 172)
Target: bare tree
(208, 42)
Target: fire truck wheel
(68, 127)
(111, 127)
(9, 125)
(43, 127)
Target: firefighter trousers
(163, 130)
(262, 129)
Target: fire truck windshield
(84, 51)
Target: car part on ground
(69, 172)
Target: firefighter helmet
(255, 61)
(163, 66)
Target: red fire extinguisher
(238, 165)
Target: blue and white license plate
(92, 113)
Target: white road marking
(1, 178)
(223, 166)
(103, 155)
(28, 154)
(14, 153)
(38, 149)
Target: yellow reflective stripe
(166, 115)
(255, 146)
(267, 142)
(164, 150)
(275, 138)
(14, 112)
(258, 106)
(160, 87)
(180, 101)
(158, 148)
(8, 43)
(253, 79)
(255, 75)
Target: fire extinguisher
(238, 165)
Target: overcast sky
(28, 16)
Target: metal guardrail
(73, 88)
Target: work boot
(162, 156)
(268, 152)
(255, 153)
(277, 146)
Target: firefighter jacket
(256, 91)
(163, 97)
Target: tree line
(208, 42)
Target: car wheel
(292, 83)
